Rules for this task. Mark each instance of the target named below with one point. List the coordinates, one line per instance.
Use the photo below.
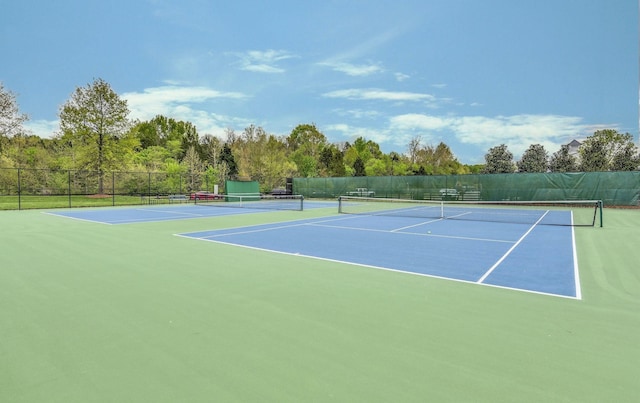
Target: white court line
(169, 212)
(416, 225)
(576, 273)
(253, 231)
(411, 233)
(279, 227)
(76, 218)
(484, 277)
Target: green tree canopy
(608, 150)
(562, 161)
(332, 161)
(534, 159)
(359, 168)
(94, 122)
(305, 144)
(10, 117)
(228, 160)
(499, 160)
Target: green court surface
(131, 313)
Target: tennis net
(256, 201)
(565, 212)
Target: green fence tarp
(613, 188)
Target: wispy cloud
(354, 70)
(357, 113)
(174, 93)
(416, 121)
(400, 77)
(264, 61)
(353, 132)
(518, 132)
(379, 95)
(42, 128)
(179, 102)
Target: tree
(210, 146)
(499, 160)
(438, 160)
(359, 167)
(534, 159)
(332, 161)
(362, 149)
(375, 167)
(10, 117)
(562, 161)
(607, 150)
(626, 159)
(305, 144)
(307, 139)
(274, 166)
(176, 136)
(414, 148)
(94, 121)
(194, 168)
(226, 158)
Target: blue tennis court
(527, 257)
(147, 214)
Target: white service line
(484, 277)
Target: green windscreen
(613, 188)
(242, 187)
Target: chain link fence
(22, 188)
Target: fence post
(113, 188)
(19, 191)
(69, 185)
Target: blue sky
(471, 73)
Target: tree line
(97, 135)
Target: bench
(362, 192)
(178, 198)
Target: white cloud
(400, 77)
(263, 61)
(42, 128)
(354, 69)
(174, 94)
(263, 68)
(518, 132)
(379, 95)
(357, 113)
(176, 102)
(418, 121)
(351, 133)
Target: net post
(600, 207)
(339, 204)
(301, 203)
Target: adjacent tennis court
(263, 304)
